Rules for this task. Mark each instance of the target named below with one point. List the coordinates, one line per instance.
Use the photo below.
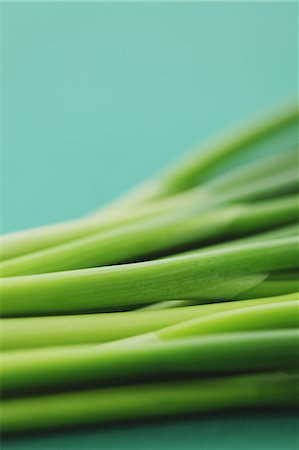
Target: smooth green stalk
(222, 288)
(24, 242)
(123, 244)
(28, 241)
(269, 288)
(20, 243)
(182, 176)
(139, 241)
(254, 171)
(174, 278)
(279, 233)
(33, 332)
(247, 318)
(193, 168)
(263, 288)
(266, 288)
(265, 215)
(271, 186)
(125, 403)
(152, 358)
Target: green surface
(98, 96)
(231, 431)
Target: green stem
(269, 288)
(148, 358)
(279, 233)
(149, 401)
(175, 278)
(284, 275)
(268, 166)
(143, 240)
(245, 318)
(33, 332)
(184, 175)
(188, 172)
(265, 287)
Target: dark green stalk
(125, 403)
(284, 275)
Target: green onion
(253, 317)
(184, 175)
(267, 288)
(149, 358)
(180, 277)
(142, 240)
(50, 331)
(149, 401)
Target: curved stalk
(245, 318)
(175, 278)
(142, 241)
(183, 176)
(187, 173)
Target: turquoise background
(98, 96)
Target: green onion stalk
(138, 241)
(154, 400)
(35, 332)
(149, 357)
(180, 297)
(191, 276)
(184, 175)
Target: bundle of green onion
(181, 297)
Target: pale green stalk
(268, 166)
(193, 168)
(33, 332)
(245, 318)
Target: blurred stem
(182, 176)
(149, 401)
